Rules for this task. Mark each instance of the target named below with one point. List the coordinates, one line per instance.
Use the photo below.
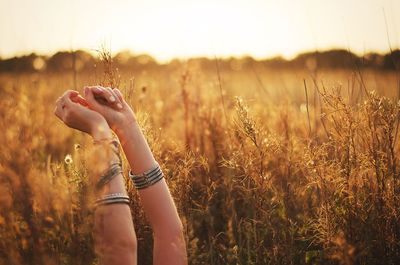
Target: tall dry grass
(261, 173)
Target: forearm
(169, 244)
(157, 200)
(169, 241)
(115, 239)
(136, 148)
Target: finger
(97, 89)
(68, 101)
(64, 102)
(111, 95)
(61, 108)
(103, 95)
(65, 99)
(80, 100)
(120, 97)
(90, 99)
(61, 103)
(58, 112)
(99, 94)
(73, 93)
(69, 93)
(117, 103)
(119, 94)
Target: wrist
(100, 131)
(123, 128)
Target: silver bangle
(111, 195)
(112, 199)
(148, 178)
(122, 201)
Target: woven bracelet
(114, 168)
(113, 143)
(111, 173)
(147, 178)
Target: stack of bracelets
(114, 169)
(140, 181)
(148, 178)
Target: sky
(187, 28)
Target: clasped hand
(95, 112)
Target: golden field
(267, 166)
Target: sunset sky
(183, 28)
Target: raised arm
(169, 243)
(115, 239)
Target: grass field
(266, 166)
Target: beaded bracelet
(147, 178)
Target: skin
(169, 243)
(115, 238)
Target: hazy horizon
(94, 53)
(186, 29)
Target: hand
(71, 109)
(111, 105)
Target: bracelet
(147, 178)
(113, 143)
(111, 195)
(114, 168)
(111, 173)
(112, 198)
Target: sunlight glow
(177, 28)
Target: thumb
(92, 102)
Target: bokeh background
(276, 124)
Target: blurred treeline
(81, 61)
